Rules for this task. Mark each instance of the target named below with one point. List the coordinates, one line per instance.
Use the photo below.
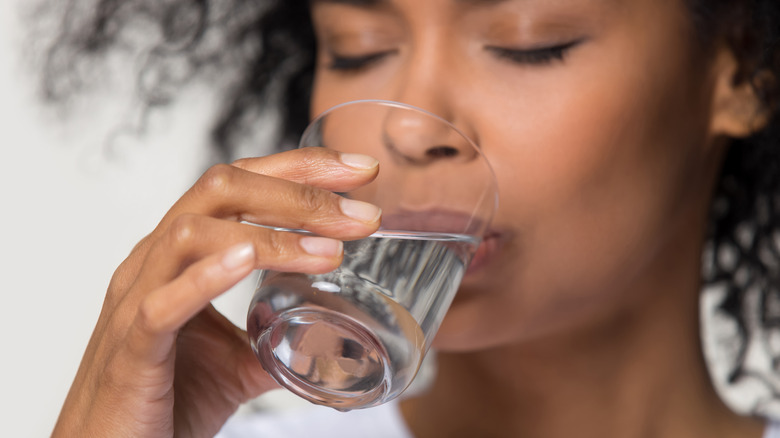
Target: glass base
(325, 357)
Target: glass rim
(406, 106)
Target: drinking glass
(355, 337)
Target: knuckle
(127, 271)
(147, 317)
(216, 179)
(311, 199)
(120, 283)
(313, 158)
(183, 231)
(277, 243)
(123, 276)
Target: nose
(420, 137)
(439, 131)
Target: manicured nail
(359, 161)
(359, 210)
(238, 256)
(321, 246)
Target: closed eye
(355, 63)
(536, 56)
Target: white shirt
(772, 430)
(384, 421)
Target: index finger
(316, 166)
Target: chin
(464, 329)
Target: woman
(611, 125)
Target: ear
(738, 112)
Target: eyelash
(540, 56)
(355, 63)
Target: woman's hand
(162, 361)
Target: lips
(487, 249)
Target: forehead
(561, 6)
(369, 3)
(568, 12)
(379, 3)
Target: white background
(72, 206)
(73, 203)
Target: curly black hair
(267, 48)
(743, 254)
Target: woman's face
(595, 117)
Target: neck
(639, 374)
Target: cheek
(594, 176)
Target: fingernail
(238, 256)
(321, 246)
(359, 161)
(359, 210)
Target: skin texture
(593, 155)
(584, 320)
(157, 322)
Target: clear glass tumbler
(355, 337)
